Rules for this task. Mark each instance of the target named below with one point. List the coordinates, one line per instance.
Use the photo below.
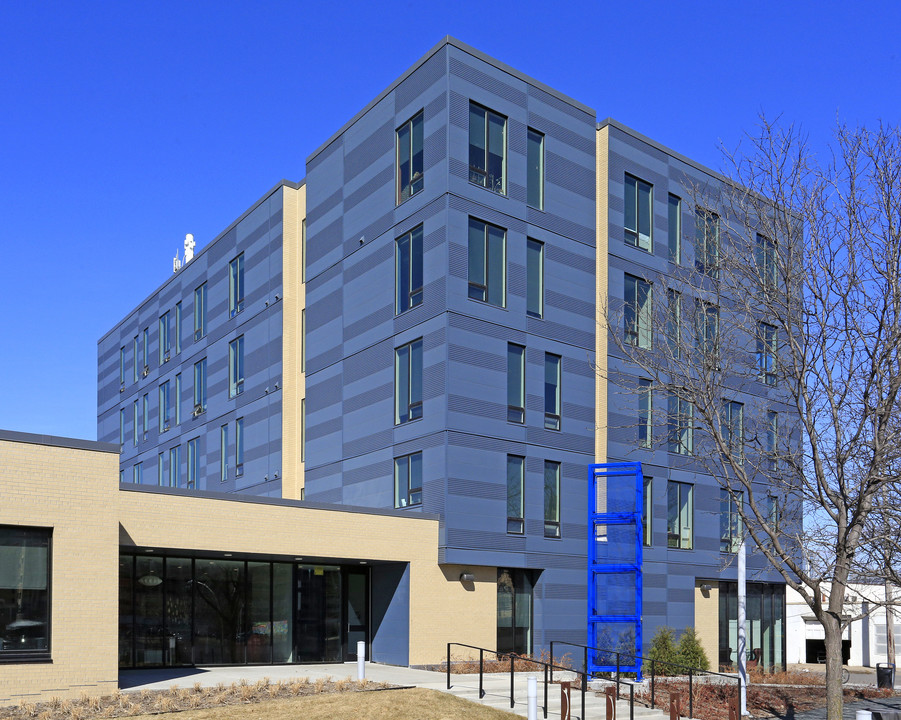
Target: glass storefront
(764, 624)
(24, 592)
(178, 611)
(514, 611)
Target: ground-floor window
(24, 594)
(514, 611)
(764, 626)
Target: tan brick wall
(442, 609)
(74, 492)
(707, 620)
(294, 385)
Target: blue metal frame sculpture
(614, 566)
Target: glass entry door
(356, 610)
(317, 628)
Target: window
(145, 415)
(487, 263)
(223, 453)
(303, 250)
(137, 474)
(164, 338)
(638, 214)
(674, 229)
(134, 369)
(514, 611)
(200, 386)
(409, 158)
(679, 515)
(175, 466)
(178, 399)
(134, 422)
(645, 408)
(200, 312)
(647, 512)
(681, 426)
(535, 170)
(408, 270)
(731, 529)
(534, 278)
(236, 367)
(707, 324)
(193, 462)
(24, 594)
(551, 499)
(767, 262)
(771, 513)
(766, 352)
(178, 327)
(164, 406)
(707, 242)
(122, 365)
(772, 439)
(303, 340)
(674, 322)
(552, 391)
(516, 383)
(303, 429)
(235, 286)
(239, 446)
(408, 382)
(515, 483)
(637, 312)
(487, 148)
(408, 480)
(733, 428)
(121, 426)
(160, 468)
(145, 351)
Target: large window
(551, 499)
(487, 148)
(137, 474)
(514, 611)
(552, 371)
(766, 352)
(674, 322)
(236, 285)
(679, 515)
(765, 623)
(164, 406)
(121, 426)
(145, 416)
(409, 158)
(24, 594)
(772, 439)
(645, 410)
(164, 338)
(733, 428)
(193, 462)
(535, 170)
(134, 352)
(638, 213)
(707, 327)
(178, 399)
(674, 229)
(408, 480)
(730, 521)
(136, 413)
(178, 327)
(637, 311)
(200, 387)
(236, 367)
(647, 512)
(239, 446)
(707, 242)
(122, 365)
(160, 470)
(145, 351)
(516, 383)
(223, 453)
(487, 263)
(408, 270)
(767, 262)
(408, 382)
(516, 468)
(200, 312)
(534, 278)
(680, 419)
(175, 466)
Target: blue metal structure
(614, 566)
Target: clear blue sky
(124, 125)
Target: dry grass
(401, 704)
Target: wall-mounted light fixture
(706, 588)
(467, 577)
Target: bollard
(863, 715)
(675, 706)
(533, 698)
(609, 692)
(361, 660)
(565, 697)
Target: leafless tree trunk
(778, 350)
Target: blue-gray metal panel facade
(259, 236)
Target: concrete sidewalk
(495, 685)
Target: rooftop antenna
(189, 248)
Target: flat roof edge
(283, 502)
(453, 42)
(58, 441)
(281, 183)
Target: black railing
(513, 657)
(653, 664)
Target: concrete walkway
(495, 685)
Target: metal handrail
(691, 671)
(513, 657)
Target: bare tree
(778, 347)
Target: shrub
(663, 650)
(690, 651)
